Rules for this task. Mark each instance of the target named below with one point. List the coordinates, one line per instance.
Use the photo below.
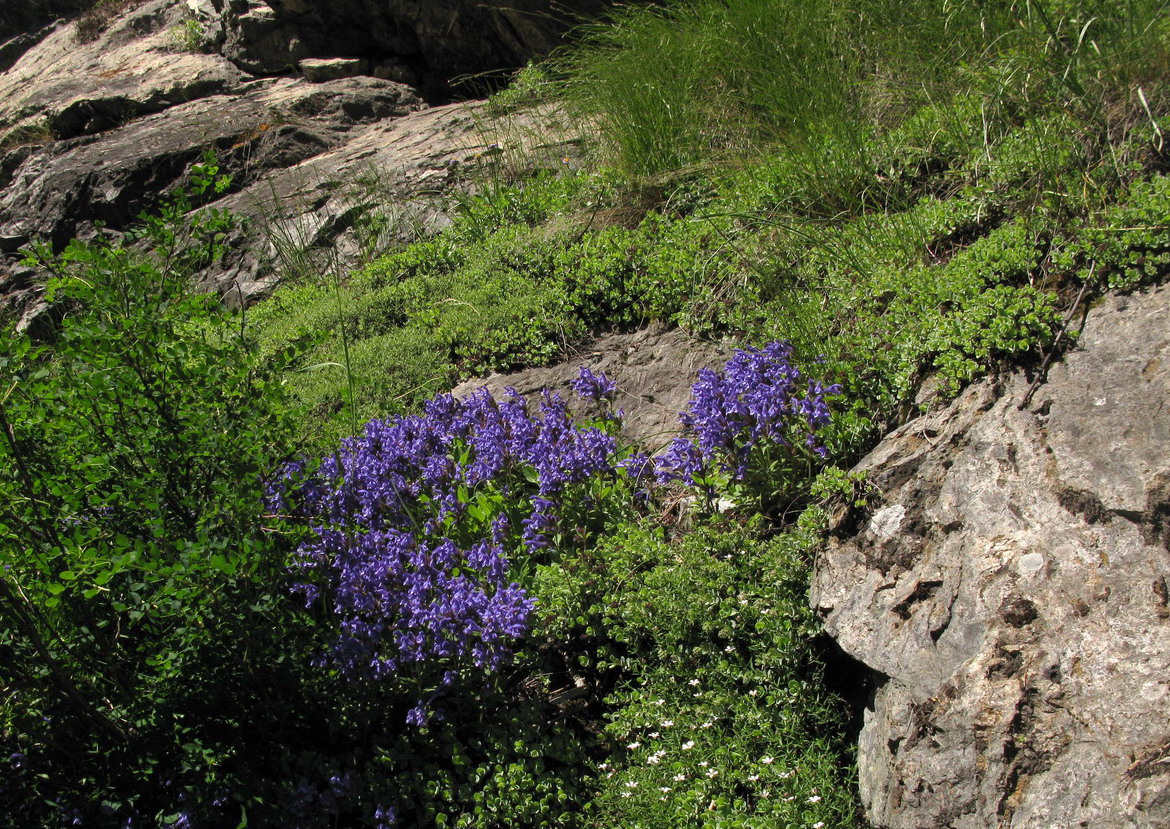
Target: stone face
(653, 370)
(99, 131)
(1011, 590)
(59, 189)
(319, 70)
(131, 70)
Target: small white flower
(818, 825)
(729, 649)
(784, 775)
(698, 694)
(816, 798)
(767, 761)
(693, 682)
(664, 789)
(753, 777)
(704, 764)
(603, 766)
(634, 746)
(678, 778)
(753, 692)
(667, 723)
(712, 772)
(608, 775)
(688, 745)
(654, 735)
(625, 794)
(653, 759)
(707, 724)
(660, 702)
(790, 798)
(631, 784)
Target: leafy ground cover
(257, 566)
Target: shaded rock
(12, 50)
(1023, 632)
(439, 40)
(653, 370)
(60, 189)
(258, 40)
(18, 18)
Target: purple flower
(590, 386)
(385, 817)
(755, 402)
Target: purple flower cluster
(758, 400)
(590, 386)
(409, 525)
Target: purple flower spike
(755, 400)
(590, 386)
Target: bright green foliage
(529, 86)
(899, 189)
(1129, 243)
(718, 695)
(472, 300)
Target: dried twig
(1056, 342)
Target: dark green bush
(142, 615)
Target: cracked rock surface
(1010, 589)
(93, 133)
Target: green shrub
(1127, 244)
(717, 713)
(142, 616)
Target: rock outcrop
(438, 41)
(1010, 591)
(652, 368)
(96, 132)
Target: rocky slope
(1010, 590)
(93, 131)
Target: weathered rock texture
(97, 132)
(1012, 592)
(653, 370)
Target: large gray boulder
(1010, 591)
